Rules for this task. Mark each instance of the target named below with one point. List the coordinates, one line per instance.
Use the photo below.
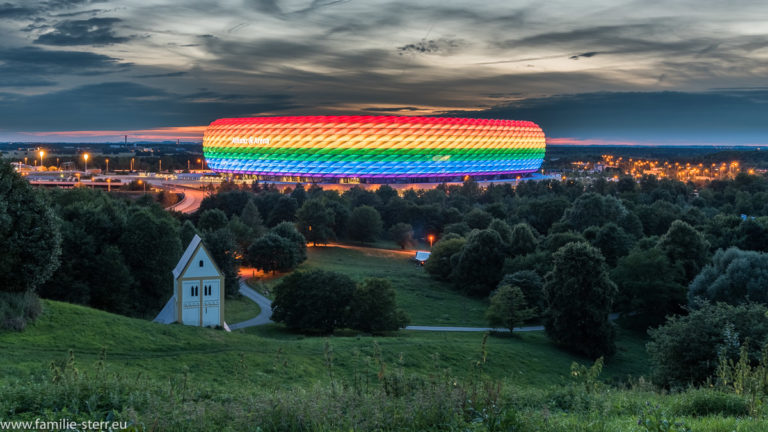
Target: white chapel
(198, 290)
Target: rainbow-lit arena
(373, 149)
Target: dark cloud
(439, 46)
(124, 105)
(93, 31)
(394, 109)
(163, 75)
(14, 11)
(273, 7)
(662, 117)
(33, 66)
(584, 55)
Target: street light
(431, 239)
(107, 160)
(144, 184)
(200, 161)
(85, 156)
(42, 153)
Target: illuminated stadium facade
(373, 149)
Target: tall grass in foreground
(377, 397)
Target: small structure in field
(198, 290)
(421, 257)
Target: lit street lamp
(42, 153)
(200, 161)
(107, 160)
(431, 239)
(85, 156)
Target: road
(264, 303)
(191, 202)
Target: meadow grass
(275, 356)
(240, 309)
(426, 301)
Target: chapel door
(211, 302)
(190, 302)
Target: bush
(685, 350)
(735, 277)
(439, 265)
(402, 234)
(313, 300)
(373, 307)
(707, 402)
(17, 309)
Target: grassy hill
(271, 355)
(173, 377)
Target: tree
(212, 220)
(315, 221)
(734, 277)
(523, 240)
(439, 265)
(508, 308)
(365, 224)
(29, 234)
(501, 227)
(373, 307)
(299, 194)
(313, 300)
(479, 263)
(252, 218)
(686, 246)
(613, 242)
(478, 219)
(223, 247)
(591, 209)
(580, 293)
(187, 233)
(151, 246)
(272, 253)
(402, 234)
(530, 284)
(284, 210)
(289, 232)
(685, 350)
(648, 287)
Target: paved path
(191, 201)
(473, 329)
(264, 303)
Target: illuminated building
(373, 149)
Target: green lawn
(240, 309)
(427, 302)
(271, 355)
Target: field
(270, 354)
(239, 309)
(427, 302)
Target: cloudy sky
(627, 72)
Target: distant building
(421, 257)
(198, 290)
(373, 149)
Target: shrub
(313, 300)
(373, 307)
(685, 350)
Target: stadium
(373, 149)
